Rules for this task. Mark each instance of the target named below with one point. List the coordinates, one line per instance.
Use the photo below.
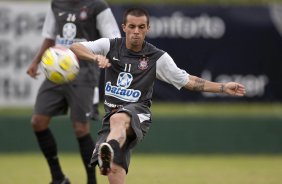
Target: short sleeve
(48, 30)
(100, 46)
(107, 25)
(167, 71)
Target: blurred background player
(132, 66)
(66, 22)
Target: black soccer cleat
(63, 181)
(105, 158)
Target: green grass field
(153, 169)
(190, 109)
(31, 168)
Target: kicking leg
(111, 150)
(117, 175)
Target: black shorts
(140, 123)
(55, 100)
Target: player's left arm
(167, 71)
(231, 88)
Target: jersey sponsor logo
(124, 79)
(67, 42)
(111, 105)
(143, 63)
(120, 91)
(69, 30)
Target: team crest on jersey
(143, 63)
(121, 90)
(83, 15)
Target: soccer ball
(60, 64)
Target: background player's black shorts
(53, 99)
(140, 123)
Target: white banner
(20, 39)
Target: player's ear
(123, 27)
(148, 29)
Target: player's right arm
(95, 51)
(32, 70)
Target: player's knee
(81, 129)
(118, 120)
(39, 123)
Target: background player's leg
(47, 145)
(86, 147)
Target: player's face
(135, 30)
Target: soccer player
(131, 67)
(69, 21)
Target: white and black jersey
(132, 75)
(129, 83)
(70, 21)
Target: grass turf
(149, 168)
(190, 109)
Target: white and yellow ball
(60, 65)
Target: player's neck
(134, 48)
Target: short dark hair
(135, 11)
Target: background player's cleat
(105, 158)
(63, 181)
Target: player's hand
(32, 71)
(102, 61)
(235, 89)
